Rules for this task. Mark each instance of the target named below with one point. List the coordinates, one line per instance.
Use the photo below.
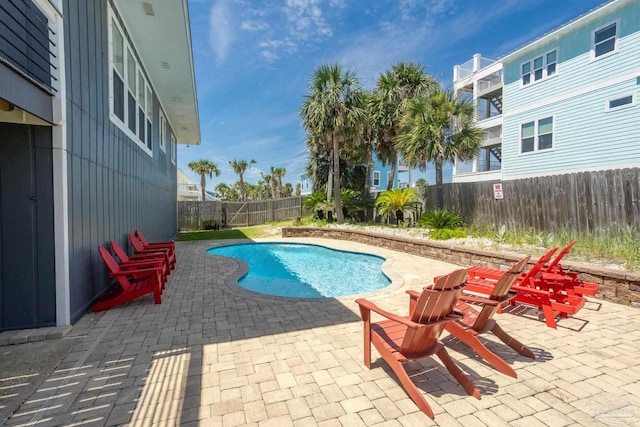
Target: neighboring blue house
(380, 176)
(94, 96)
(565, 103)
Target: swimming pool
(306, 271)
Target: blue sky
(253, 61)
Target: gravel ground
(482, 243)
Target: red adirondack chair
(140, 249)
(152, 245)
(150, 260)
(132, 282)
(531, 289)
(400, 339)
(476, 321)
(569, 281)
(483, 279)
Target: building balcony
(189, 192)
(490, 86)
(477, 63)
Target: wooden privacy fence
(194, 215)
(585, 201)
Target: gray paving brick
(224, 358)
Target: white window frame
(374, 178)
(127, 47)
(616, 42)
(162, 131)
(173, 148)
(545, 68)
(607, 106)
(536, 135)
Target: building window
(539, 68)
(162, 133)
(605, 40)
(173, 149)
(149, 110)
(620, 101)
(536, 135)
(376, 178)
(130, 94)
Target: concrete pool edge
(232, 285)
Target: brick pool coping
(619, 286)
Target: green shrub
(447, 233)
(210, 225)
(440, 219)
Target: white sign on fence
(497, 191)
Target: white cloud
(307, 18)
(220, 29)
(254, 25)
(269, 55)
(420, 10)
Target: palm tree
(397, 201)
(438, 127)
(287, 190)
(421, 187)
(204, 168)
(394, 89)
(240, 167)
(268, 183)
(223, 189)
(278, 174)
(330, 114)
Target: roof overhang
(592, 15)
(162, 37)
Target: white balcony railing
(475, 64)
(189, 190)
(489, 83)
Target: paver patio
(213, 355)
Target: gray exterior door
(27, 272)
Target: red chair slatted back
(508, 279)
(120, 253)
(143, 239)
(538, 266)
(439, 301)
(113, 267)
(137, 244)
(500, 292)
(435, 303)
(552, 266)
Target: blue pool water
(306, 271)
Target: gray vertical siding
(114, 186)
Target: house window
(605, 40)
(149, 110)
(162, 133)
(130, 94)
(376, 178)
(620, 101)
(173, 149)
(536, 135)
(539, 68)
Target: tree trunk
(392, 172)
(336, 180)
(330, 180)
(439, 193)
(243, 196)
(203, 183)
